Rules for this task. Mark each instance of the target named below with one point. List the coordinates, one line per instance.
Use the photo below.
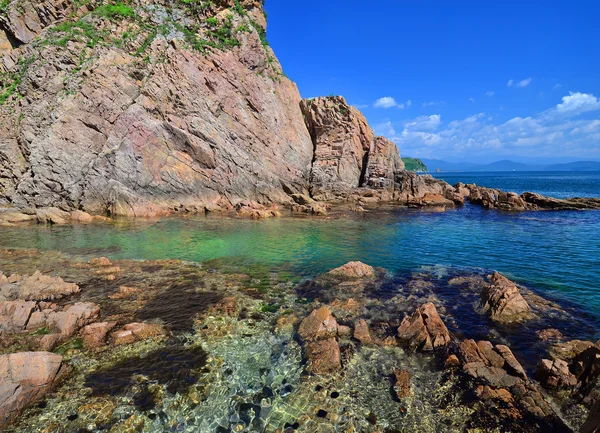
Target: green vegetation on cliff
(414, 164)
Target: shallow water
(554, 253)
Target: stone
(353, 270)
(52, 215)
(495, 365)
(320, 324)
(15, 315)
(452, 362)
(402, 384)
(133, 332)
(361, 332)
(555, 374)
(36, 287)
(100, 261)
(424, 330)
(549, 334)
(72, 317)
(503, 300)
(25, 377)
(323, 356)
(81, 217)
(94, 335)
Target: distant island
(414, 164)
(508, 165)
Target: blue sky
(462, 81)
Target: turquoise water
(556, 254)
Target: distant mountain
(414, 164)
(575, 166)
(508, 165)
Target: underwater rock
(549, 334)
(402, 384)
(504, 301)
(424, 330)
(100, 261)
(94, 335)
(323, 356)
(353, 270)
(361, 332)
(36, 287)
(133, 332)
(24, 378)
(569, 349)
(320, 324)
(555, 374)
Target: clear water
(556, 254)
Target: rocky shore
(135, 346)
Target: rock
(11, 216)
(452, 362)
(353, 270)
(136, 332)
(424, 190)
(36, 287)
(320, 324)
(14, 315)
(569, 349)
(100, 261)
(52, 215)
(344, 331)
(402, 384)
(538, 201)
(81, 217)
(555, 374)
(94, 335)
(424, 330)
(25, 377)
(254, 210)
(497, 365)
(323, 356)
(503, 300)
(125, 292)
(549, 334)
(72, 317)
(361, 332)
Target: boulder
(52, 215)
(320, 324)
(72, 317)
(323, 356)
(424, 330)
(36, 287)
(503, 300)
(14, 315)
(94, 335)
(361, 332)
(496, 366)
(555, 374)
(25, 377)
(133, 332)
(353, 270)
(81, 216)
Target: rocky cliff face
(144, 107)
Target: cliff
(145, 107)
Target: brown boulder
(133, 332)
(72, 317)
(94, 335)
(555, 374)
(24, 378)
(320, 324)
(361, 332)
(36, 287)
(424, 330)
(503, 300)
(353, 270)
(52, 215)
(14, 315)
(323, 356)
(497, 365)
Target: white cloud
(472, 100)
(385, 102)
(490, 93)
(556, 131)
(404, 105)
(557, 86)
(432, 103)
(577, 103)
(385, 129)
(524, 83)
(510, 83)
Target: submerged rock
(424, 330)
(361, 332)
(25, 377)
(323, 356)
(320, 324)
(94, 335)
(402, 384)
(555, 374)
(133, 332)
(503, 300)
